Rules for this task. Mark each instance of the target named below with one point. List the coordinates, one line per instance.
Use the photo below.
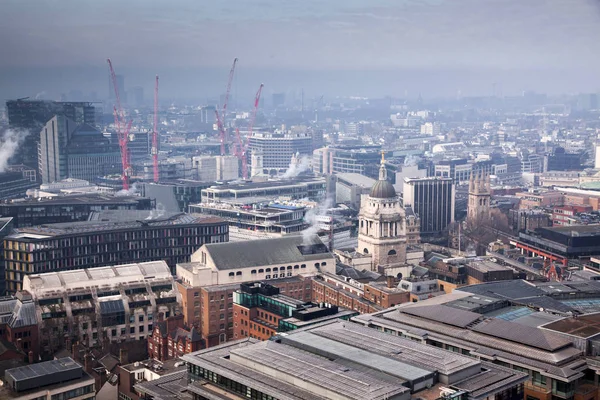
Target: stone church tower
(480, 196)
(382, 224)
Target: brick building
(260, 311)
(172, 339)
(207, 283)
(19, 327)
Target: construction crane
(122, 129)
(155, 132)
(246, 142)
(223, 114)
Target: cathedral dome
(383, 190)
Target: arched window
(362, 223)
(268, 270)
(323, 264)
(260, 271)
(239, 273)
(303, 266)
(290, 267)
(399, 276)
(317, 265)
(231, 274)
(296, 266)
(282, 268)
(392, 252)
(253, 271)
(366, 251)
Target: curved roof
(382, 189)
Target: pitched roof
(275, 251)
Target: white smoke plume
(9, 143)
(132, 191)
(411, 161)
(311, 219)
(296, 168)
(157, 212)
(40, 95)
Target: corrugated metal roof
(522, 334)
(444, 314)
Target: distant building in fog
(72, 150)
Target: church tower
(382, 230)
(478, 208)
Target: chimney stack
(123, 358)
(391, 282)
(74, 351)
(30, 356)
(87, 362)
(161, 316)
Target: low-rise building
(207, 283)
(481, 271)
(117, 303)
(260, 312)
(172, 339)
(342, 360)
(299, 188)
(19, 326)
(136, 374)
(49, 380)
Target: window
(231, 274)
(323, 264)
(296, 266)
(260, 271)
(268, 270)
(267, 276)
(222, 316)
(392, 253)
(253, 272)
(196, 294)
(303, 266)
(141, 318)
(239, 273)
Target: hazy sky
(302, 35)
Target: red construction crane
(246, 142)
(155, 132)
(223, 114)
(122, 134)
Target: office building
(272, 218)
(29, 116)
(431, 129)
(13, 185)
(260, 312)
(432, 199)
(278, 100)
(560, 160)
(137, 96)
(50, 380)
(111, 238)
(561, 244)
(68, 208)
(216, 168)
(71, 150)
(174, 196)
(539, 198)
(459, 170)
(300, 188)
(349, 188)
(384, 225)
(362, 160)
(117, 303)
(207, 283)
(341, 360)
(278, 148)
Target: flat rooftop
(249, 186)
(488, 266)
(74, 200)
(576, 230)
(583, 326)
(75, 228)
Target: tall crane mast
(246, 142)
(223, 114)
(122, 129)
(155, 133)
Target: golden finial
(382, 156)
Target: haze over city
(338, 48)
(300, 200)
